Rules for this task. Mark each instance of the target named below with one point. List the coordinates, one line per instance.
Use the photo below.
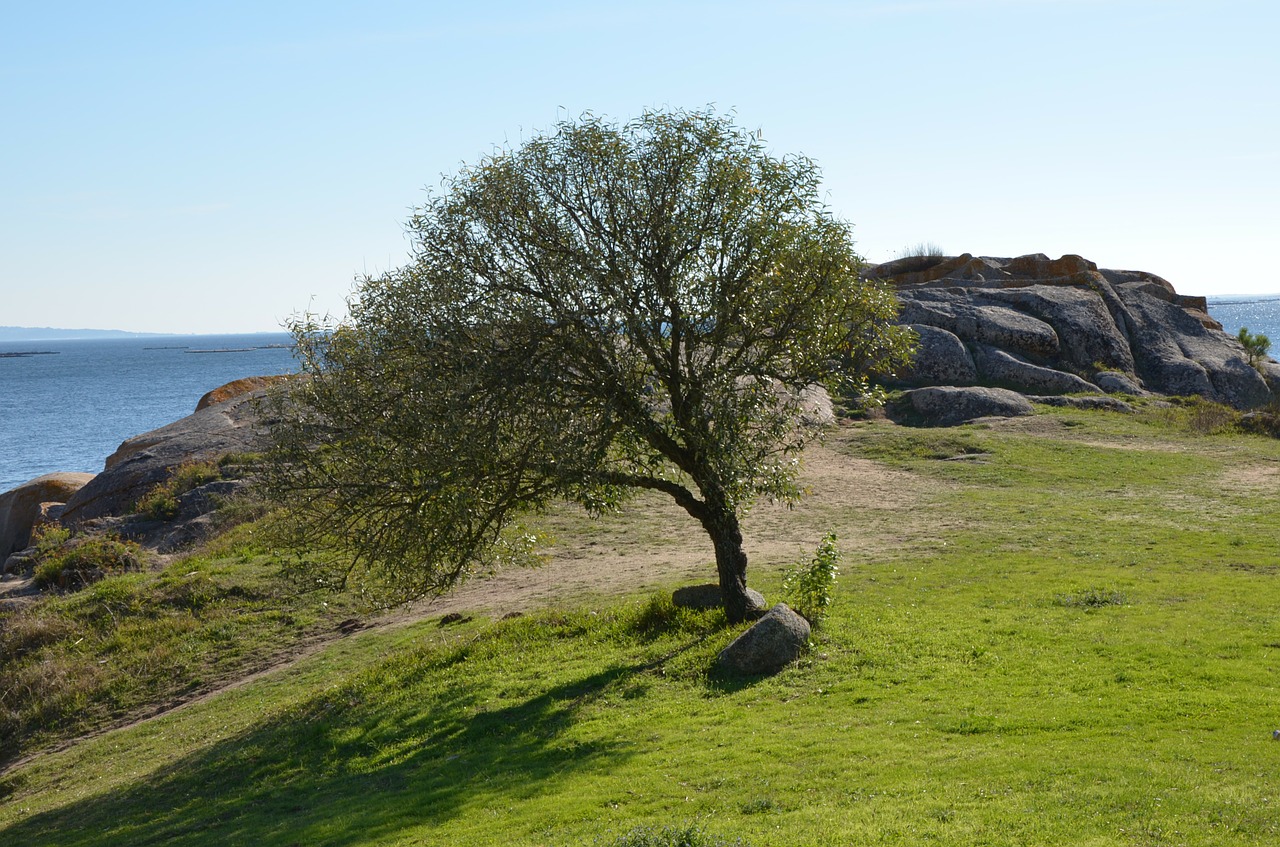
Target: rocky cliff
(1064, 326)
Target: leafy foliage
(810, 587)
(604, 309)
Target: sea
(70, 404)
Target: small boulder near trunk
(772, 643)
(707, 596)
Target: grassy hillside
(1056, 630)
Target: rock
(772, 643)
(985, 323)
(948, 406)
(143, 462)
(237, 387)
(1072, 319)
(206, 498)
(1086, 330)
(998, 367)
(1117, 383)
(707, 596)
(1176, 354)
(48, 513)
(816, 408)
(1271, 373)
(20, 562)
(22, 507)
(941, 359)
(1111, 404)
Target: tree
(1256, 347)
(601, 310)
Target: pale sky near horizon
(216, 167)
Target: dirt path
(654, 543)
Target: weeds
(921, 249)
(673, 836)
(77, 563)
(1201, 417)
(162, 503)
(1091, 598)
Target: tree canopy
(605, 308)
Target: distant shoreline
(31, 334)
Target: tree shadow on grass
(339, 770)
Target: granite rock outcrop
(145, 461)
(24, 507)
(1045, 326)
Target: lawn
(1070, 639)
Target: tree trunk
(731, 565)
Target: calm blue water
(1259, 314)
(69, 411)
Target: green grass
(1082, 650)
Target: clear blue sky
(216, 167)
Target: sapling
(811, 586)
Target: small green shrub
(761, 806)
(76, 564)
(660, 616)
(161, 503)
(1265, 421)
(48, 539)
(810, 587)
(1256, 347)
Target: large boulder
(1176, 354)
(772, 643)
(145, 461)
(971, 320)
(22, 507)
(941, 359)
(1000, 367)
(1084, 324)
(943, 405)
(707, 596)
(238, 387)
(1052, 326)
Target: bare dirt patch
(653, 543)
(1251, 479)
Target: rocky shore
(226, 422)
(996, 335)
(1062, 328)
